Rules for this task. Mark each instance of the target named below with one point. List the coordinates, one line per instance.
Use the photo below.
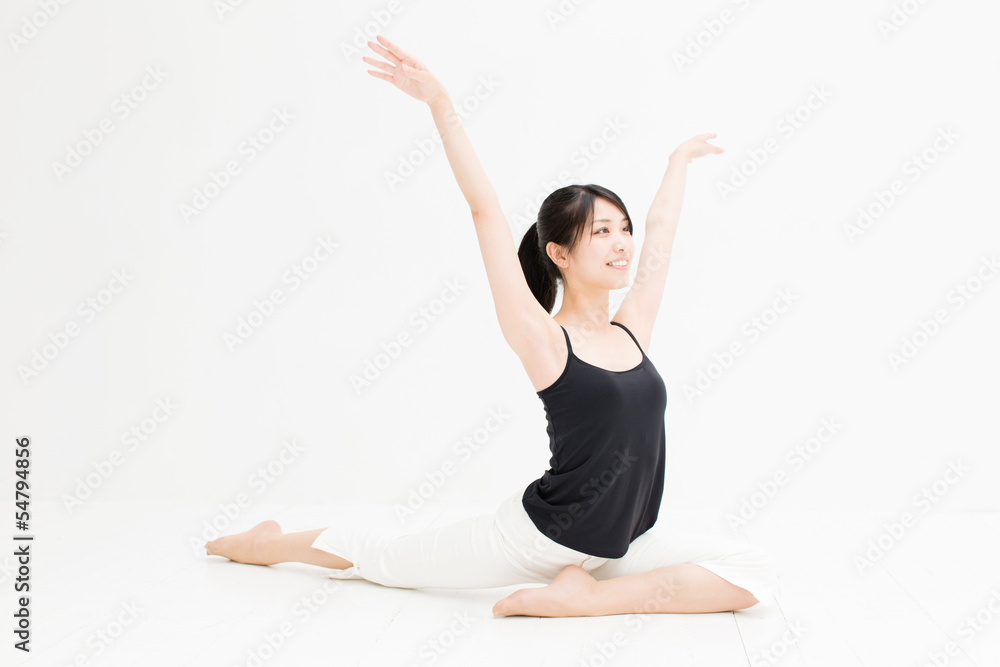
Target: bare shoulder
(545, 354)
(641, 326)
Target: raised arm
(522, 319)
(641, 303)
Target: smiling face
(608, 239)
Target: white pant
(505, 548)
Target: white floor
(125, 585)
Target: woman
(583, 525)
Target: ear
(557, 254)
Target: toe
(503, 607)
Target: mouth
(618, 265)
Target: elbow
(483, 202)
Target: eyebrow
(608, 220)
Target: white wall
(558, 85)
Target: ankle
(266, 549)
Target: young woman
(583, 526)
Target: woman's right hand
(404, 71)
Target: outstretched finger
(384, 66)
(385, 53)
(400, 53)
(380, 75)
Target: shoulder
(638, 328)
(545, 359)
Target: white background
(558, 85)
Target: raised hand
(697, 147)
(403, 71)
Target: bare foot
(567, 595)
(245, 547)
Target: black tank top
(605, 478)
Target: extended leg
(265, 544)
(680, 588)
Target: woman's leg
(265, 544)
(470, 553)
(680, 588)
(659, 574)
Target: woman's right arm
(523, 321)
(471, 177)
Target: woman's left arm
(666, 207)
(642, 302)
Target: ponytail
(565, 218)
(539, 271)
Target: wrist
(439, 99)
(678, 158)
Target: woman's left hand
(696, 147)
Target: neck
(584, 308)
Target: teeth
(621, 262)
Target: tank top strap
(630, 336)
(566, 335)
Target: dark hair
(563, 218)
